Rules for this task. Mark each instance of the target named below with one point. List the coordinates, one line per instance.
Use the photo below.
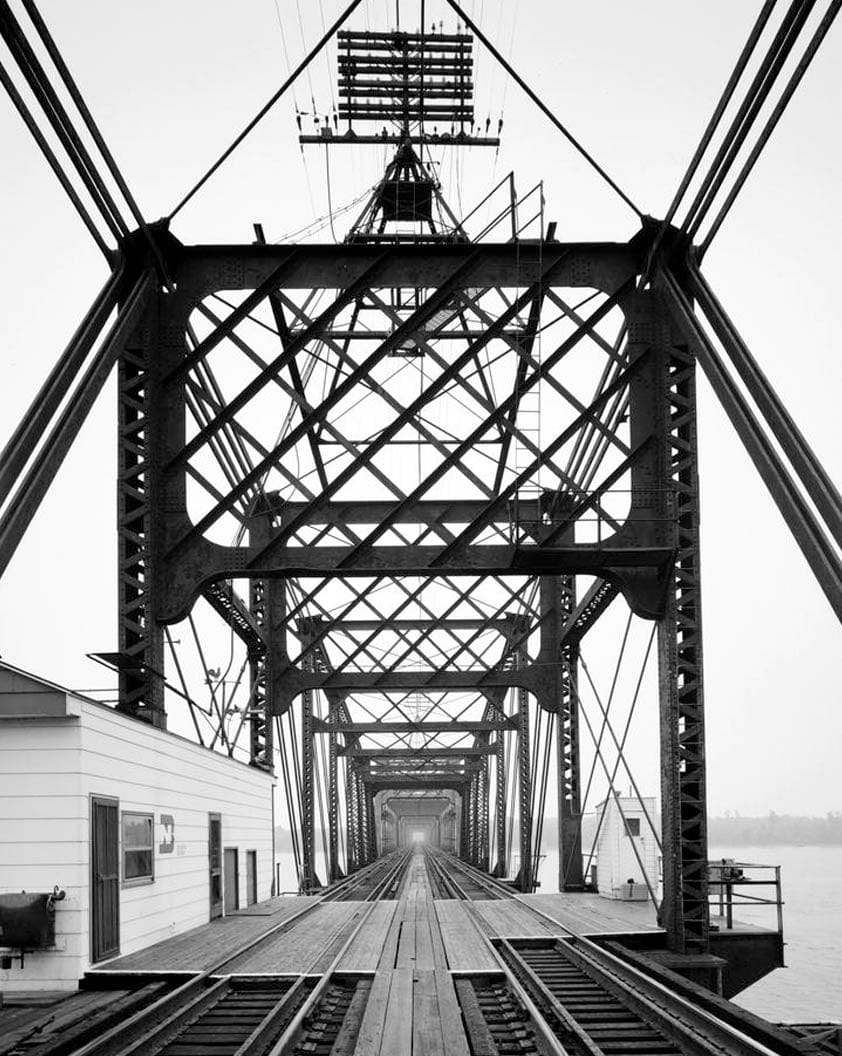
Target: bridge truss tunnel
(430, 468)
(411, 472)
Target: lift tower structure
(411, 471)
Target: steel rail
(192, 990)
(184, 1015)
(654, 991)
(494, 887)
(547, 1034)
(339, 890)
(679, 1019)
(282, 1045)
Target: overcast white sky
(171, 83)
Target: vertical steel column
(685, 913)
(308, 761)
(482, 814)
(141, 640)
(362, 822)
(501, 866)
(524, 877)
(334, 872)
(472, 820)
(372, 825)
(558, 594)
(352, 833)
(261, 728)
(465, 826)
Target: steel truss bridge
(413, 470)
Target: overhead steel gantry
(411, 471)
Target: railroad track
(451, 878)
(240, 1015)
(572, 996)
(234, 1015)
(564, 996)
(380, 880)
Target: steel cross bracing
(391, 541)
(395, 554)
(335, 448)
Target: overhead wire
(264, 110)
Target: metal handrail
(726, 878)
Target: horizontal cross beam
(457, 782)
(206, 269)
(409, 754)
(462, 726)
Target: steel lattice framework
(411, 472)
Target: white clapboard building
(146, 833)
(626, 848)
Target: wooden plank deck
(309, 945)
(200, 948)
(510, 918)
(463, 946)
(413, 1008)
(591, 914)
(365, 951)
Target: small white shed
(147, 833)
(626, 850)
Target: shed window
(138, 830)
(632, 826)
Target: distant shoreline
(785, 830)
(782, 830)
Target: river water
(809, 989)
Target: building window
(632, 826)
(138, 831)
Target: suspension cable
(740, 127)
(54, 163)
(544, 108)
(770, 125)
(265, 108)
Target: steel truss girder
(264, 269)
(638, 559)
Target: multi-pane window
(138, 832)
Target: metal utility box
(407, 200)
(27, 921)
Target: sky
(170, 85)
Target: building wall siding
(50, 769)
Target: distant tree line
(734, 830)
(730, 830)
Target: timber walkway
(418, 954)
